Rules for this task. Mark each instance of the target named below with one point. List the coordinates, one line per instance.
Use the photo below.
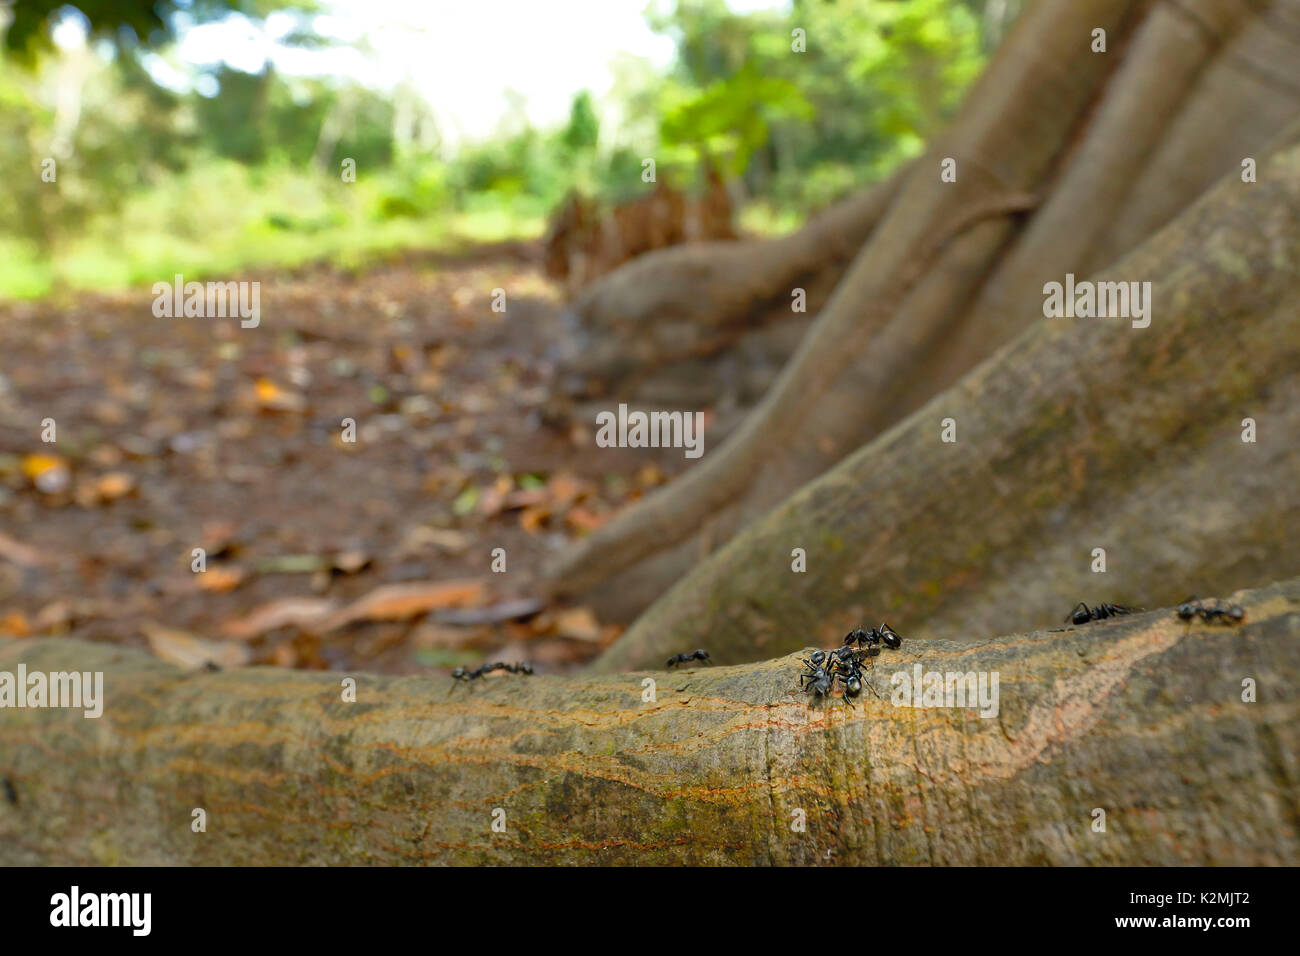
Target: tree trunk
(1144, 718)
(677, 305)
(1084, 433)
(1113, 145)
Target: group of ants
(844, 665)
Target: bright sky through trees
(473, 61)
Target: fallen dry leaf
(533, 519)
(582, 519)
(525, 498)
(66, 612)
(49, 473)
(401, 602)
(579, 623)
(106, 488)
(300, 612)
(14, 624)
(445, 539)
(19, 553)
(272, 398)
(493, 500)
(114, 485)
(492, 614)
(564, 489)
(54, 615)
(190, 652)
(219, 580)
(350, 562)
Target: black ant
(1082, 614)
(874, 637)
(11, 793)
(848, 668)
(869, 641)
(857, 636)
(695, 655)
(820, 678)
(464, 673)
(1232, 614)
(893, 640)
(844, 660)
(1192, 607)
(845, 663)
(508, 668)
(842, 664)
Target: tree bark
(692, 301)
(1084, 433)
(1114, 145)
(1143, 718)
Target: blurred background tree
(217, 167)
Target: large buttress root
(1082, 434)
(1170, 69)
(1142, 717)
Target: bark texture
(1141, 717)
(1113, 145)
(1084, 433)
(670, 310)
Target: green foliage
(876, 80)
(733, 117)
(581, 133)
(149, 179)
(413, 190)
(150, 22)
(234, 123)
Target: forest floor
(180, 433)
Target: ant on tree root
(464, 673)
(1082, 614)
(844, 664)
(820, 678)
(1215, 613)
(874, 637)
(699, 654)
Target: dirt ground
(180, 433)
